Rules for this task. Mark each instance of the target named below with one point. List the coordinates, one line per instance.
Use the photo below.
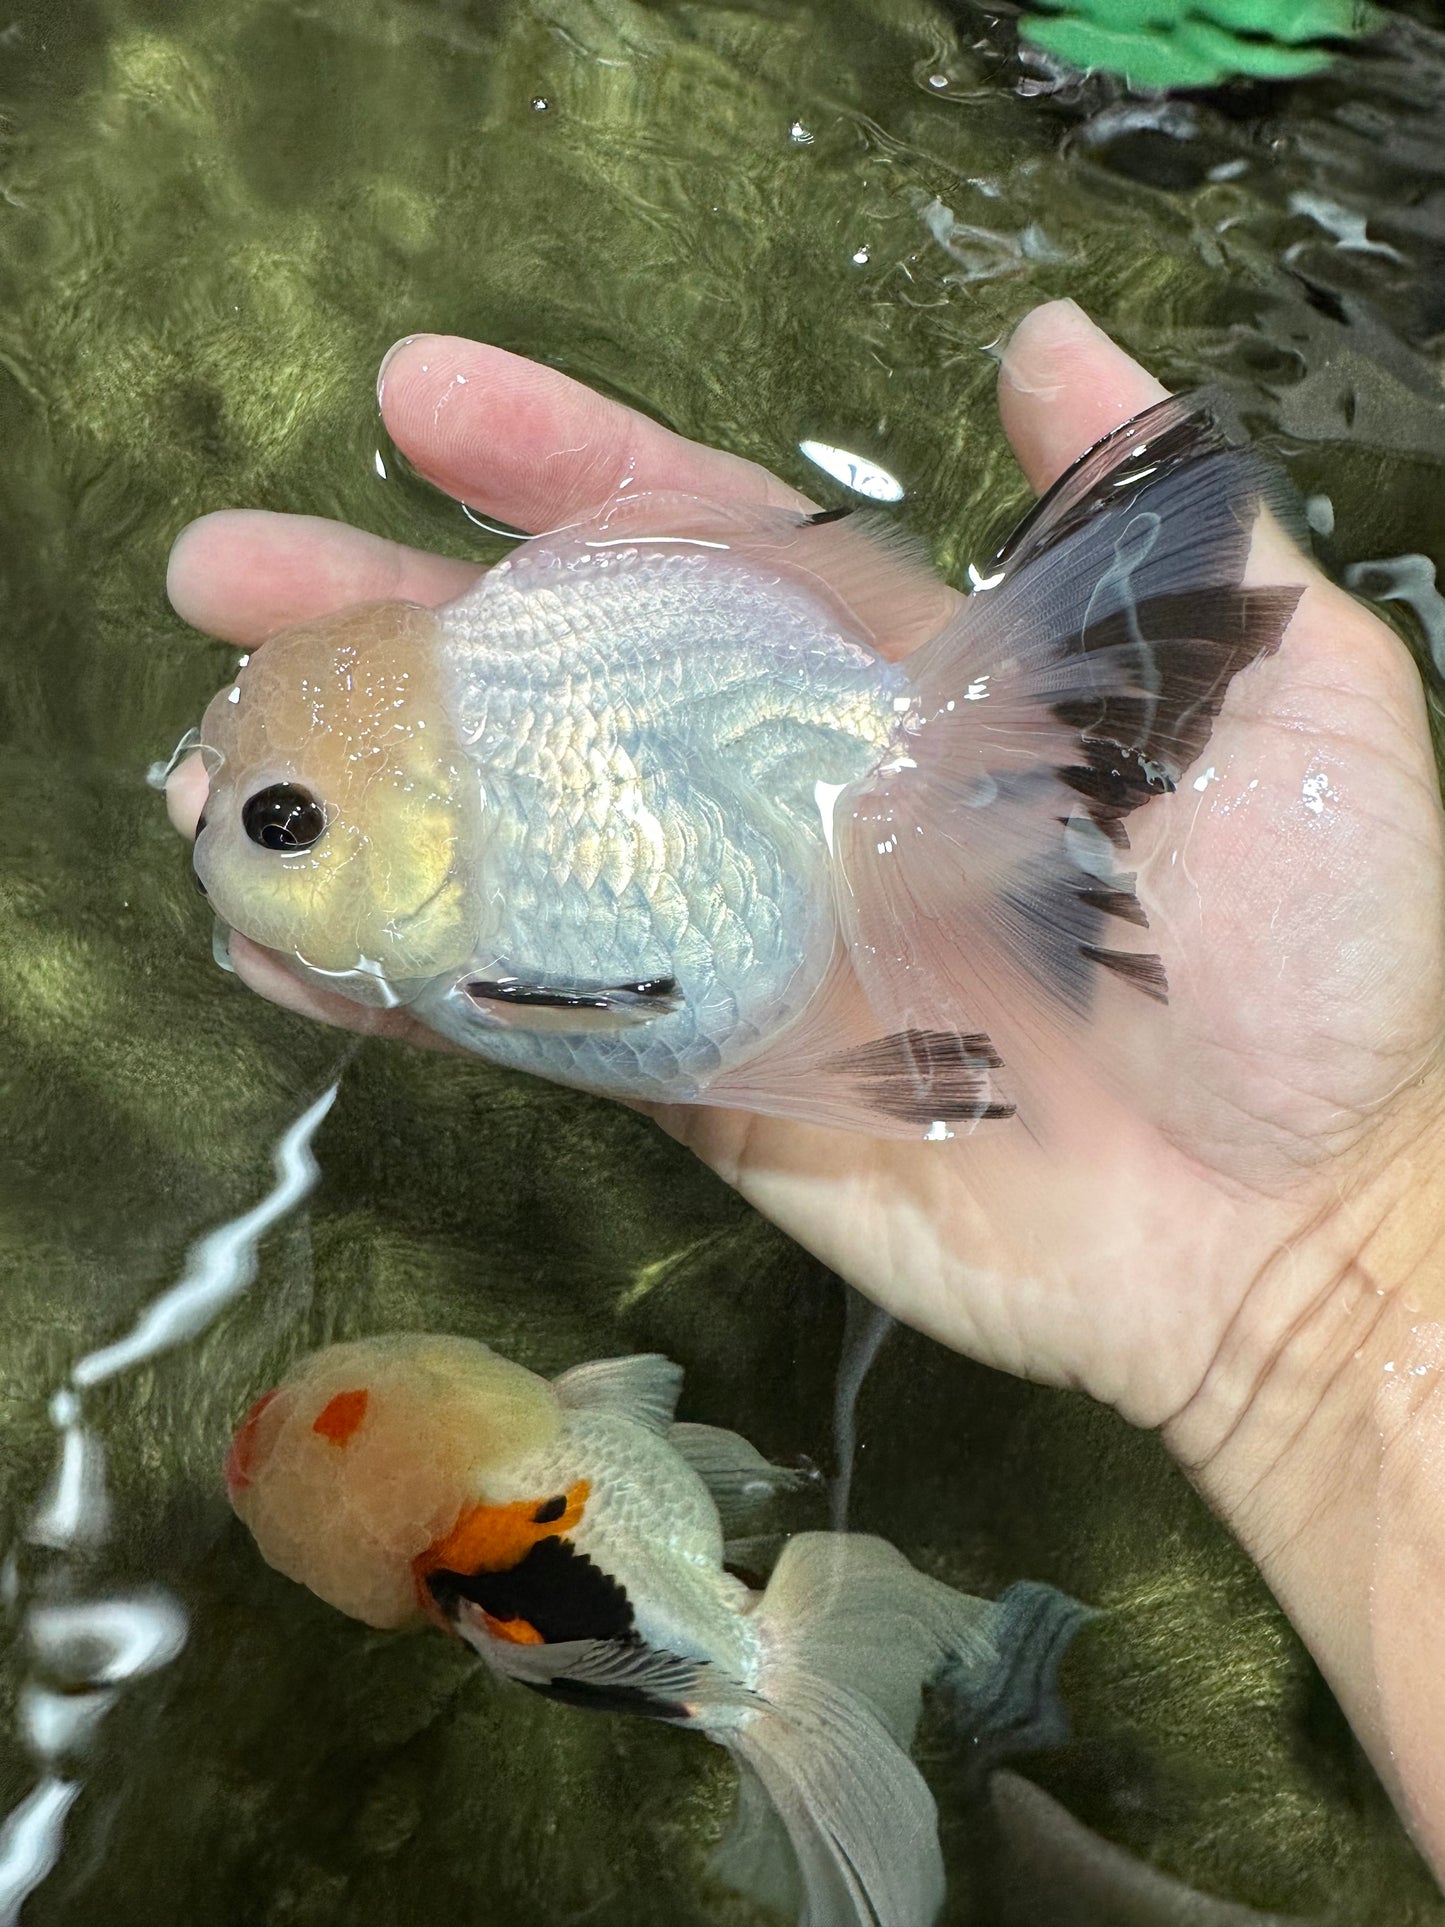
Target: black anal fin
(923, 1076)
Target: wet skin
(1231, 1245)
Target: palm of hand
(1296, 881)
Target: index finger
(537, 449)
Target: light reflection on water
(83, 1650)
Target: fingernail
(386, 360)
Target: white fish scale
(649, 808)
(650, 1522)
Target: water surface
(765, 224)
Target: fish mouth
(241, 1460)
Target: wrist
(1318, 1433)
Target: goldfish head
(366, 1458)
(343, 816)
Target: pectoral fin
(521, 1003)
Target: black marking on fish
(646, 997)
(921, 1076)
(1180, 653)
(550, 1509)
(610, 1699)
(1174, 434)
(828, 515)
(555, 1588)
(1152, 527)
(1116, 901)
(1145, 972)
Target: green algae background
(760, 223)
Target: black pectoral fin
(520, 1003)
(555, 1590)
(617, 1676)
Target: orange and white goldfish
(649, 809)
(573, 1534)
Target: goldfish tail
(850, 1634)
(986, 895)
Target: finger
(535, 448)
(187, 787)
(1062, 386)
(242, 574)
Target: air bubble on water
(158, 774)
(539, 104)
(800, 134)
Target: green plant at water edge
(1159, 44)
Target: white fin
(643, 1387)
(741, 1481)
(1054, 1869)
(986, 896)
(851, 1634)
(611, 1674)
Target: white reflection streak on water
(857, 472)
(865, 1326)
(92, 1647)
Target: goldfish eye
(283, 817)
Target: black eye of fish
(283, 817)
(549, 1510)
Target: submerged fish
(574, 1536)
(647, 810)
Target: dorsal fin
(643, 1387)
(742, 1482)
(877, 575)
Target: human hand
(1195, 1250)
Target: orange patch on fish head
(340, 1418)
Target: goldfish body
(574, 1536)
(650, 811)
